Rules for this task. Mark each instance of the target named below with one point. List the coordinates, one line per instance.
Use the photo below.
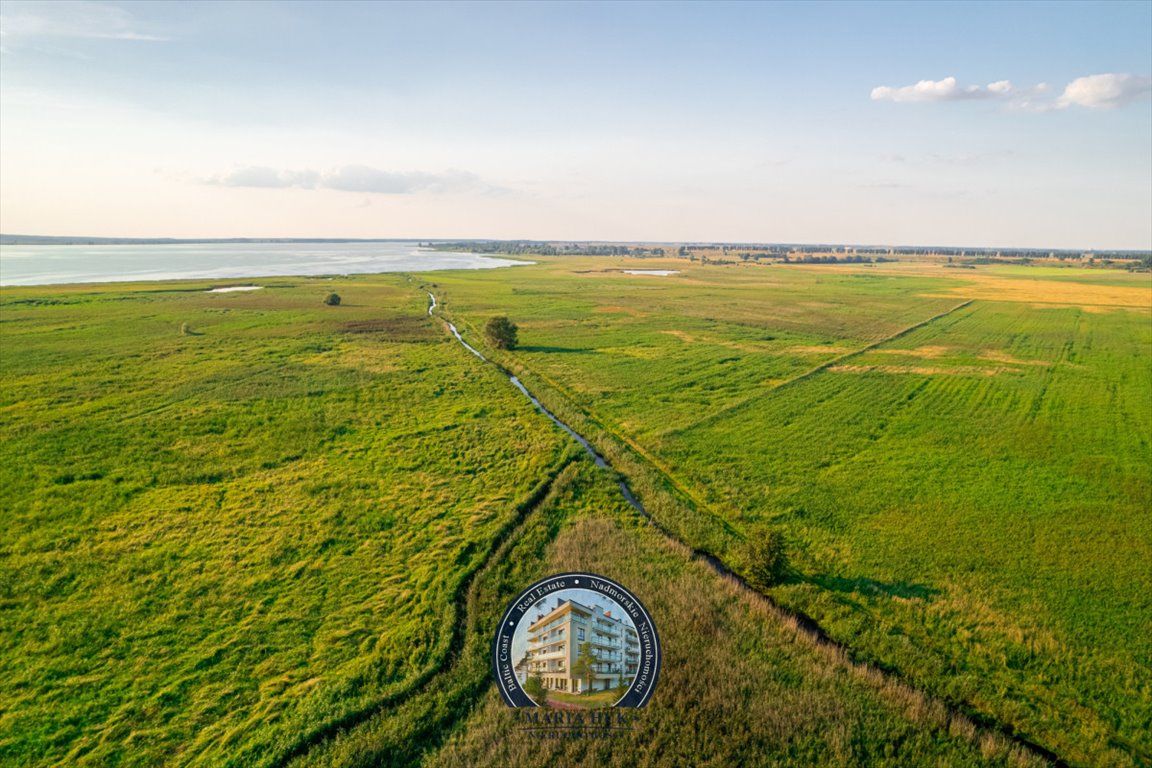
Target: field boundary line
(820, 368)
(665, 472)
(804, 625)
(458, 621)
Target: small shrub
(332, 300)
(534, 687)
(765, 557)
(501, 332)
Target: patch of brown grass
(923, 370)
(614, 310)
(740, 684)
(1088, 296)
(1003, 357)
(818, 350)
(930, 351)
(684, 337)
(394, 328)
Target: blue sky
(893, 123)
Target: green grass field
(251, 529)
(965, 486)
(213, 544)
(739, 685)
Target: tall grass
(739, 686)
(214, 545)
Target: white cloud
(349, 178)
(1105, 91)
(939, 90)
(71, 19)
(360, 178)
(949, 90)
(270, 178)
(1095, 92)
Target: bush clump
(765, 557)
(501, 332)
(534, 687)
(332, 300)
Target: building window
(579, 633)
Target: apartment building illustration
(556, 637)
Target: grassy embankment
(966, 498)
(219, 540)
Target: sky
(952, 124)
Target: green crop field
(961, 462)
(251, 529)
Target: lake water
(54, 264)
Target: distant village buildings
(555, 640)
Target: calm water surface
(54, 264)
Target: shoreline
(42, 265)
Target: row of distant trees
(804, 253)
(536, 248)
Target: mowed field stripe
(806, 628)
(727, 410)
(667, 472)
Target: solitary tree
(501, 332)
(765, 557)
(332, 300)
(534, 687)
(585, 666)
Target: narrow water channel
(804, 622)
(625, 491)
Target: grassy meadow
(217, 541)
(960, 458)
(739, 685)
(251, 529)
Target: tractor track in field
(426, 680)
(806, 626)
(837, 360)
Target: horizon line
(116, 240)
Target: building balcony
(539, 644)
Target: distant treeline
(726, 253)
(538, 248)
